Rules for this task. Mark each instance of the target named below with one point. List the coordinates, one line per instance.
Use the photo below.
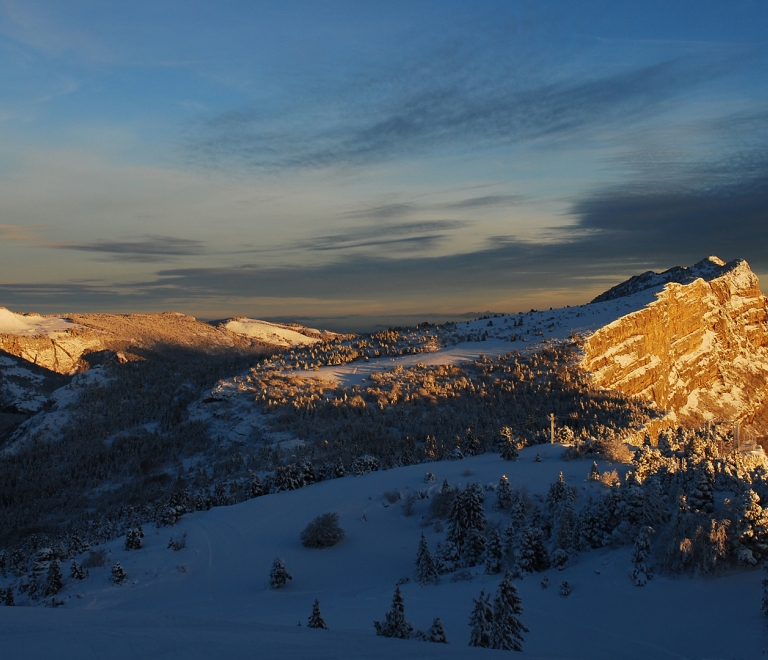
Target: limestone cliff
(700, 350)
(70, 345)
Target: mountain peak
(706, 269)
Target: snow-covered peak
(706, 269)
(12, 323)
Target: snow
(212, 599)
(270, 333)
(554, 325)
(32, 324)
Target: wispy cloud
(450, 111)
(151, 248)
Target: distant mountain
(706, 269)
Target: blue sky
(357, 163)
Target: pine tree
(563, 523)
(507, 628)
(481, 622)
(764, 606)
(7, 597)
(594, 473)
(316, 619)
(532, 556)
(278, 575)
(508, 445)
(565, 589)
(395, 624)
(133, 539)
(53, 583)
(76, 571)
(437, 632)
(466, 521)
(558, 491)
(426, 570)
(494, 554)
(503, 494)
(640, 572)
(118, 574)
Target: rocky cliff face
(700, 350)
(81, 340)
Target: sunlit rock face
(699, 350)
(72, 344)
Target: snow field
(219, 602)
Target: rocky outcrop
(89, 338)
(700, 350)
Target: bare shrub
(95, 559)
(323, 532)
(392, 496)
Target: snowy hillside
(32, 324)
(273, 333)
(212, 597)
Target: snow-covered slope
(273, 333)
(212, 598)
(32, 324)
(706, 269)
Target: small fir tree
(565, 588)
(594, 473)
(53, 583)
(503, 494)
(426, 570)
(76, 571)
(508, 445)
(481, 622)
(133, 539)
(278, 575)
(394, 624)
(118, 574)
(437, 632)
(507, 628)
(640, 572)
(764, 605)
(494, 554)
(316, 619)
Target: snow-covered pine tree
(7, 597)
(437, 632)
(701, 497)
(532, 555)
(594, 473)
(118, 574)
(53, 583)
(557, 492)
(76, 571)
(494, 553)
(507, 628)
(394, 624)
(508, 445)
(133, 538)
(466, 520)
(278, 575)
(316, 619)
(751, 528)
(481, 622)
(565, 588)
(764, 605)
(426, 571)
(563, 522)
(503, 494)
(640, 572)
(40, 567)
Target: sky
(353, 164)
